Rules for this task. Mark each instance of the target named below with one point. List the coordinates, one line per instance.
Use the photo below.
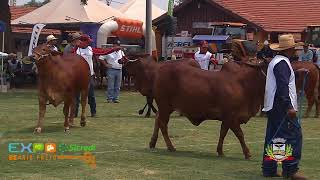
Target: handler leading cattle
(61, 78)
(283, 132)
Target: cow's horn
(133, 60)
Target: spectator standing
(51, 40)
(306, 54)
(73, 43)
(85, 51)
(203, 56)
(114, 72)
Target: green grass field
(122, 136)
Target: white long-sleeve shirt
(87, 54)
(203, 59)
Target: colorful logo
(38, 147)
(279, 151)
(75, 148)
(50, 148)
(50, 151)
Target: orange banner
(128, 28)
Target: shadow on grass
(46, 129)
(192, 154)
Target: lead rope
(301, 94)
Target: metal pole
(2, 81)
(148, 36)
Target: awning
(210, 39)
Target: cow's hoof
(67, 129)
(83, 123)
(147, 116)
(37, 130)
(140, 112)
(316, 116)
(247, 156)
(171, 149)
(221, 154)
(152, 145)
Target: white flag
(34, 37)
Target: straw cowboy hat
(12, 55)
(64, 42)
(75, 36)
(286, 41)
(51, 38)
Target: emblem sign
(279, 151)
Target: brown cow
(312, 87)
(61, 78)
(143, 70)
(232, 95)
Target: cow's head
(42, 51)
(134, 63)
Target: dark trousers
(289, 130)
(91, 98)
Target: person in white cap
(51, 40)
(265, 52)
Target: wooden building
(265, 19)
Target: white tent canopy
(136, 9)
(69, 11)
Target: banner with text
(35, 37)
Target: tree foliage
(35, 3)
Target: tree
(84, 2)
(5, 16)
(35, 3)
(177, 2)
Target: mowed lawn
(122, 137)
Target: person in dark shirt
(13, 69)
(70, 48)
(283, 141)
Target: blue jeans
(114, 83)
(91, 98)
(289, 130)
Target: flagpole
(148, 37)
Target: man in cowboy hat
(280, 103)
(73, 43)
(63, 44)
(51, 40)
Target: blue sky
(161, 3)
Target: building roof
(19, 11)
(272, 15)
(276, 15)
